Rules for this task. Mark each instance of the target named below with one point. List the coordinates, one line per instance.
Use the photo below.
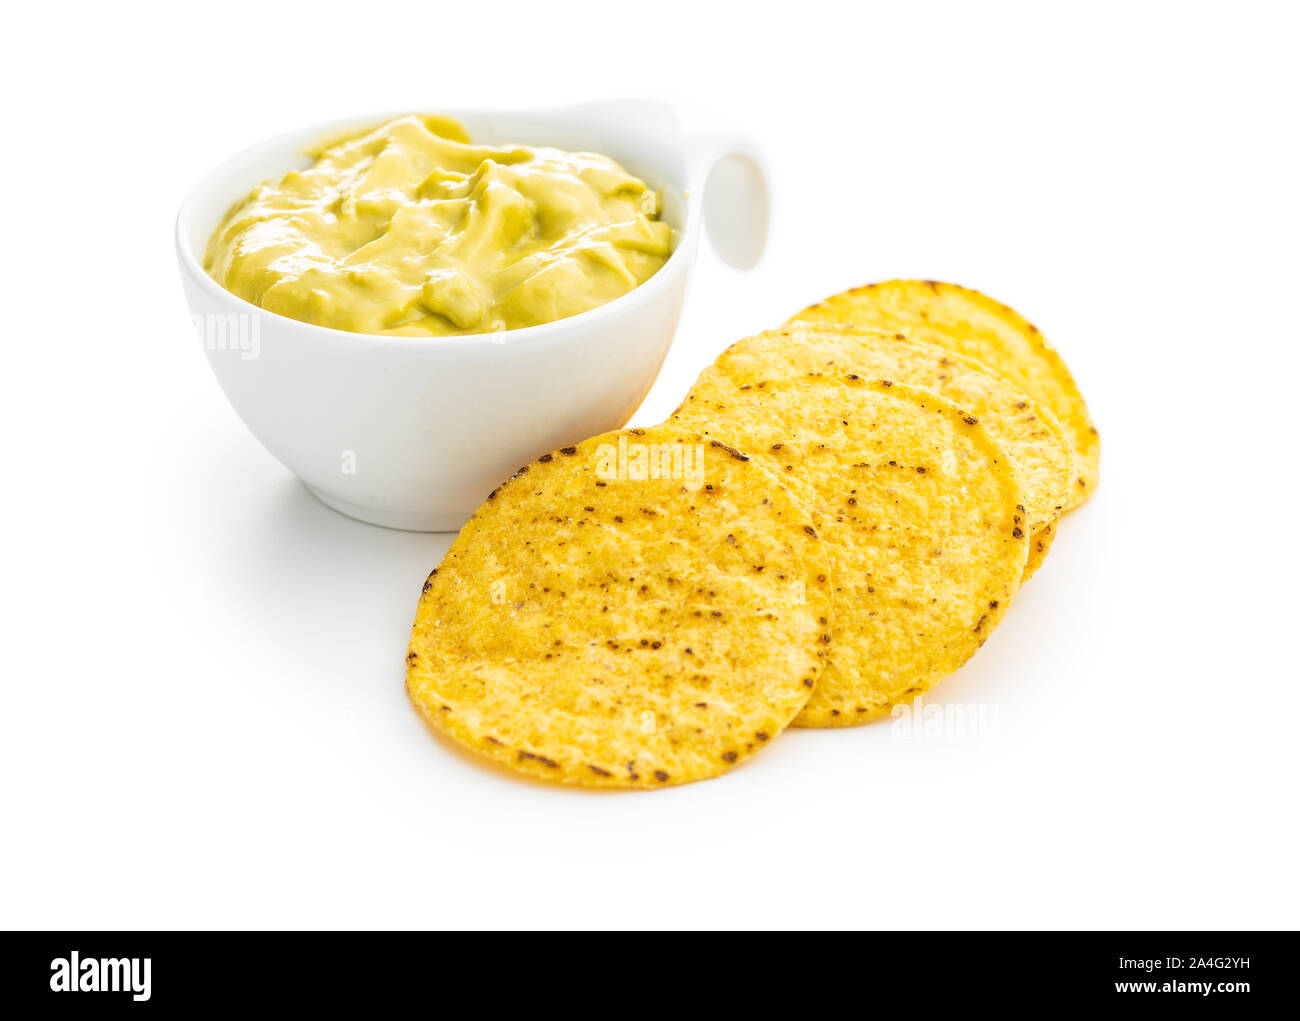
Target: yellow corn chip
(970, 323)
(1027, 432)
(647, 608)
(921, 513)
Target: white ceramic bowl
(413, 433)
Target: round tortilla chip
(1028, 433)
(921, 513)
(645, 609)
(970, 323)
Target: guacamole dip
(410, 229)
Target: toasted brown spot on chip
(730, 450)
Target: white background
(203, 718)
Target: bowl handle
(737, 199)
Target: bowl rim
(678, 260)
